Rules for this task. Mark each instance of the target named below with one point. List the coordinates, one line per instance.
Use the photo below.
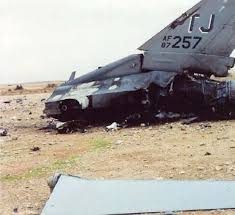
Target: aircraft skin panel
(207, 28)
(126, 66)
(180, 62)
(73, 195)
(109, 87)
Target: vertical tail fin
(207, 28)
(72, 76)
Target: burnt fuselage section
(125, 88)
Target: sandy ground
(168, 151)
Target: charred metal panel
(52, 109)
(126, 66)
(101, 92)
(73, 195)
(205, 97)
(128, 84)
(195, 63)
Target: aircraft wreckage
(173, 74)
(73, 195)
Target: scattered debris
(142, 125)
(205, 125)
(3, 132)
(19, 101)
(15, 210)
(113, 127)
(70, 127)
(35, 149)
(66, 127)
(50, 126)
(190, 120)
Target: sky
(44, 40)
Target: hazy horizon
(47, 40)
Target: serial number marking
(177, 42)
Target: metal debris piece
(50, 126)
(35, 149)
(73, 195)
(3, 132)
(131, 119)
(15, 210)
(205, 125)
(65, 127)
(190, 120)
(168, 116)
(70, 127)
(113, 127)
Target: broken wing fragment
(74, 195)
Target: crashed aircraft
(173, 73)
